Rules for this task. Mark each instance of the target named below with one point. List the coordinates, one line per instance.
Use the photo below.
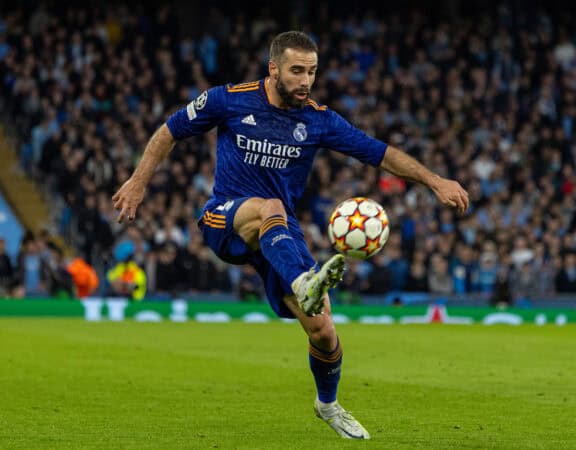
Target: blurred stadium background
(484, 92)
(481, 91)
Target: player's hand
(128, 198)
(450, 193)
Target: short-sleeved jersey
(265, 151)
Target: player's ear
(273, 69)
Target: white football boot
(310, 287)
(340, 420)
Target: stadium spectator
(30, 273)
(84, 277)
(169, 233)
(6, 269)
(396, 264)
(379, 280)
(487, 272)
(544, 271)
(417, 280)
(168, 277)
(523, 282)
(59, 282)
(250, 287)
(501, 295)
(566, 278)
(207, 277)
(463, 269)
(189, 263)
(439, 279)
(351, 285)
(127, 279)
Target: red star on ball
(371, 245)
(340, 244)
(357, 221)
(383, 218)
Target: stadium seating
(486, 100)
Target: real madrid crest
(300, 133)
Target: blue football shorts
(217, 226)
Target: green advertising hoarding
(118, 309)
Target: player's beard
(289, 97)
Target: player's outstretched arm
(131, 194)
(449, 192)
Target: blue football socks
(279, 249)
(325, 367)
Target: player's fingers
(118, 200)
(131, 213)
(466, 201)
(462, 203)
(122, 215)
(465, 204)
(459, 200)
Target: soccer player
(268, 133)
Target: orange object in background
(84, 277)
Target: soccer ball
(358, 227)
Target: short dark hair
(291, 39)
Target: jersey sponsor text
(267, 154)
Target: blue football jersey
(265, 151)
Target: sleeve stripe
(248, 83)
(251, 86)
(255, 88)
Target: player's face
(295, 76)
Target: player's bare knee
(322, 332)
(272, 207)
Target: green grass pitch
(71, 384)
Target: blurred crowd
(489, 100)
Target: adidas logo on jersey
(249, 120)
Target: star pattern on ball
(383, 218)
(340, 244)
(372, 245)
(357, 221)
